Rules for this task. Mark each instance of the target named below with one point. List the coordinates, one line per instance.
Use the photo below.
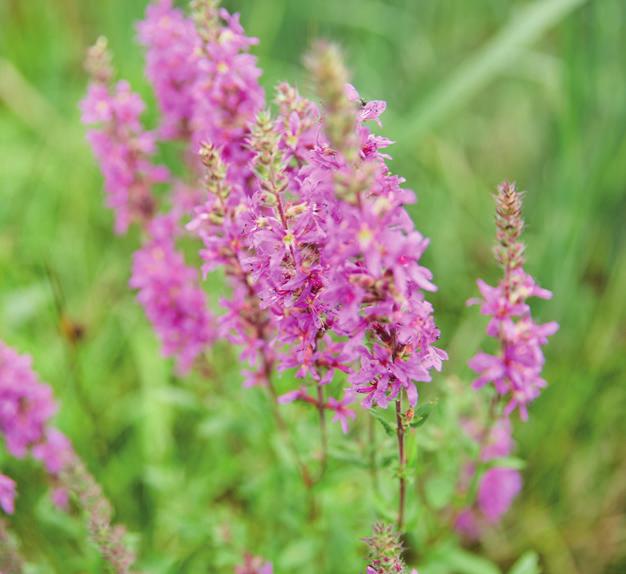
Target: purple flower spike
(516, 370)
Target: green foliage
(478, 91)
(527, 564)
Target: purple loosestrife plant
(26, 404)
(221, 223)
(119, 142)
(371, 250)
(300, 211)
(170, 295)
(26, 409)
(172, 65)
(374, 282)
(226, 94)
(385, 551)
(108, 538)
(168, 288)
(516, 371)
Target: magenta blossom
(122, 147)
(55, 452)
(26, 409)
(26, 404)
(341, 413)
(254, 565)
(226, 94)
(7, 494)
(516, 370)
(172, 65)
(497, 487)
(169, 292)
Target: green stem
(402, 463)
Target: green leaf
(527, 564)
(421, 414)
(389, 429)
(297, 554)
(347, 456)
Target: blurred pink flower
(7, 494)
(171, 296)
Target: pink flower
(223, 224)
(26, 410)
(325, 264)
(54, 452)
(172, 65)
(172, 299)
(516, 370)
(60, 498)
(467, 524)
(498, 488)
(254, 565)
(7, 494)
(341, 413)
(26, 404)
(122, 147)
(226, 93)
(339, 408)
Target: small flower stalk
(169, 292)
(108, 538)
(26, 409)
(326, 66)
(11, 562)
(516, 371)
(123, 148)
(385, 551)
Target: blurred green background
(477, 91)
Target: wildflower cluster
(26, 409)
(168, 291)
(516, 371)
(124, 149)
(300, 211)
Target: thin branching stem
(323, 431)
(400, 430)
